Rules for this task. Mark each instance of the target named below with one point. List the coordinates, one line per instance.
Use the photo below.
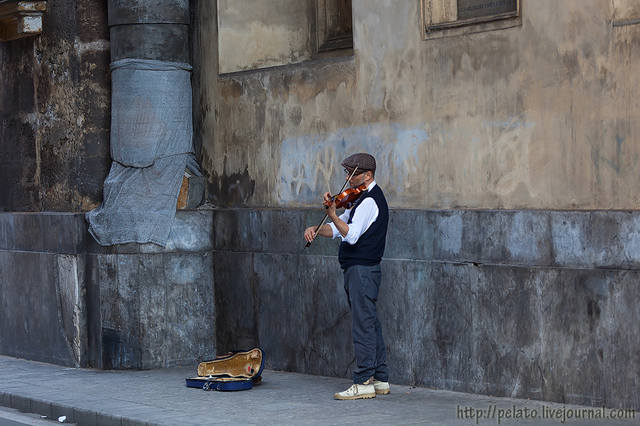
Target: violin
(343, 199)
(347, 198)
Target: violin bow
(315, 233)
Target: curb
(53, 410)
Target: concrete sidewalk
(96, 397)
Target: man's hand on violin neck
(330, 205)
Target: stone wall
(68, 301)
(44, 311)
(54, 111)
(527, 304)
(64, 298)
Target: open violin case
(237, 370)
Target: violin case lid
(236, 370)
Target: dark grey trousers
(362, 284)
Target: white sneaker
(382, 388)
(357, 392)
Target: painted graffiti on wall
(510, 145)
(310, 165)
(488, 156)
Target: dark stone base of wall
(527, 304)
(68, 301)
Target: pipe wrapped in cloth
(151, 143)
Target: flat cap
(361, 160)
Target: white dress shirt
(365, 215)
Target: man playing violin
(363, 231)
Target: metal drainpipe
(154, 30)
(149, 29)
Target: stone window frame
(452, 28)
(329, 20)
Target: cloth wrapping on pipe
(151, 143)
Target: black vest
(369, 248)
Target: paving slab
(150, 397)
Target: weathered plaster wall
(204, 28)
(540, 116)
(54, 111)
(475, 297)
